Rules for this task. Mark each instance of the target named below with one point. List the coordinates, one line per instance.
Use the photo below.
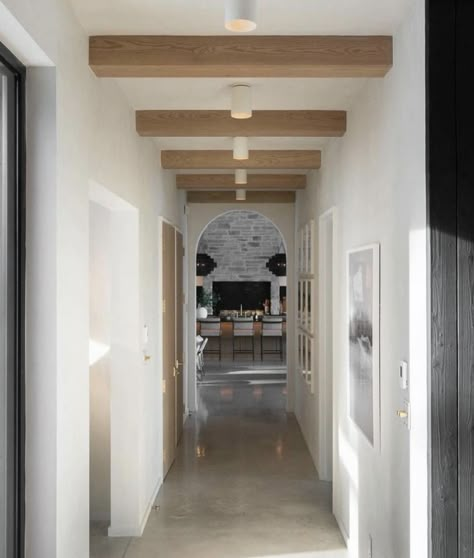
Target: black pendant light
(204, 265)
(277, 265)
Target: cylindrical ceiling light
(241, 15)
(241, 176)
(240, 195)
(241, 148)
(241, 102)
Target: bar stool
(243, 327)
(272, 327)
(211, 327)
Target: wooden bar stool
(272, 327)
(211, 327)
(243, 328)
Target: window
(11, 303)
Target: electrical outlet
(370, 554)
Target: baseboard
(146, 515)
(342, 529)
(136, 531)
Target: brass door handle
(146, 358)
(402, 414)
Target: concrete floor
(243, 485)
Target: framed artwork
(363, 269)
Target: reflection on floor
(243, 484)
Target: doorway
(114, 364)
(241, 295)
(12, 284)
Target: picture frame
(363, 328)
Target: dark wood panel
(441, 177)
(240, 56)
(465, 193)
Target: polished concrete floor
(243, 484)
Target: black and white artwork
(364, 323)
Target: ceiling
(274, 17)
(206, 17)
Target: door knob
(178, 364)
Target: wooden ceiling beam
(227, 182)
(221, 159)
(251, 197)
(249, 56)
(219, 123)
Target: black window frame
(16, 184)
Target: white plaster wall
(81, 130)
(375, 177)
(198, 217)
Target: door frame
(450, 212)
(16, 429)
(163, 220)
(327, 388)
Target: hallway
(243, 486)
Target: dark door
(450, 174)
(11, 305)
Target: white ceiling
(206, 17)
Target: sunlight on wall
(417, 382)
(350, 462)
(349, 459)
(97, 351)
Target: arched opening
(241, 310)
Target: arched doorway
(241, 284)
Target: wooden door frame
(450, 211)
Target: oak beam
(219, 123)
(254, 182)
(251, 197)
(231, 56)
(222, 159)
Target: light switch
(403, 375)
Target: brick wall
(241, 242)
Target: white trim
(326, 389)
(136, 531)
(344, 534)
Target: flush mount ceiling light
(241, 176)
(241, 102)
(241, 15)
(241, 148)
(240, 195)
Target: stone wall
(241, 242)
